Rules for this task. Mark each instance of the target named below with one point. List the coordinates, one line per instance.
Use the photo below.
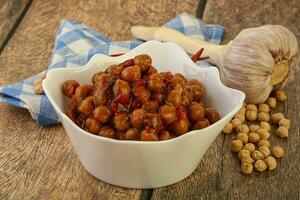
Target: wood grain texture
(10, 12)
(37, 162)
(218, 175)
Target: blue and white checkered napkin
(75, 44)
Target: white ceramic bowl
(136, 164)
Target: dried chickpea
(271, 101)
(247, 159)
(263, 134)
(242, 128)
(253, 128)
(256, 155)
(236, 146)
(262, 116)
(236, 122)
(260, 165)
(264, 143)
(253, 137)
(242, 110)
(263, 108)
(246, 168)
(265, 150)
(276, 117)
(228, 128)
(251, 115)
(252, 107)
(277, 152)
(271, 163)
(240, 117)
(243, 137)
(265, 125)
(250, 147)
(285, 122)
(244, 153)
(282, 131)
(280, 95)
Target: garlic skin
(257, 61)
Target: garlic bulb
(255, 62)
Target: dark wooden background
(39, 163)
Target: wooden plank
(218, 175)
(39, 162)
(11, 12)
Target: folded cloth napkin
(75, 44)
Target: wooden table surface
(39, 162)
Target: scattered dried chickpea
(236, 146)
(271, 101)
(263, 133)
(250, 147)
(264, 143)
(236, 122)
(253, 137)
(247, 159)
(282, 131)
(263, 108)
(241, 117)
(285, 122)
(280, 95)
(242, 137)
(276, 117)
(37, 85)
(242, 128)
(265, 125)
(251, 115)
(246, 168)
(228, 128)
(260, 165)
(253, 128)
(252, 107)
(244, 153)
(277, 152)
(271, 163)
(262, 116)
(265, 150)
(256, 155)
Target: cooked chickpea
(152, 70)
(260, 165)
(155, 82)
(264, 143)
(250, 147)
(265, 150)
(244, 153)
(276, 117)
(180, 126)
(253, 137)
(282, 131)
(271, 163)
(141, 93)
(137, 118)
(83, 91)
(243, 137)
(131, 73)
(265, 125)
(86, 106)
(240, 117)
(121, 87)
(256, 155)
(212, 115)
(253, 128)
(165, 135)
(132, 134)
(151, 106)
(196, 111)
(263, 108)
(277, 152)
(107, 131)
(246, 168)
(247, 159)
(280, 95)
(198, 92)
(228, 128)
(92, 125)
(262, 116)
(149, 134)
(263, 134)
(285, 122)
(200, 124)
(251, 115)
(144, 61)
(177, 80)
(252, 107)
(174, 97)
(271, 101)
(235, 122)
(242, 128)
(69, 87)
(168, 113)
(121, 121)
(236, 146)
(102, 114)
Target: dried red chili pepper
(116, 54)
(127, 63)
(197, 55)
